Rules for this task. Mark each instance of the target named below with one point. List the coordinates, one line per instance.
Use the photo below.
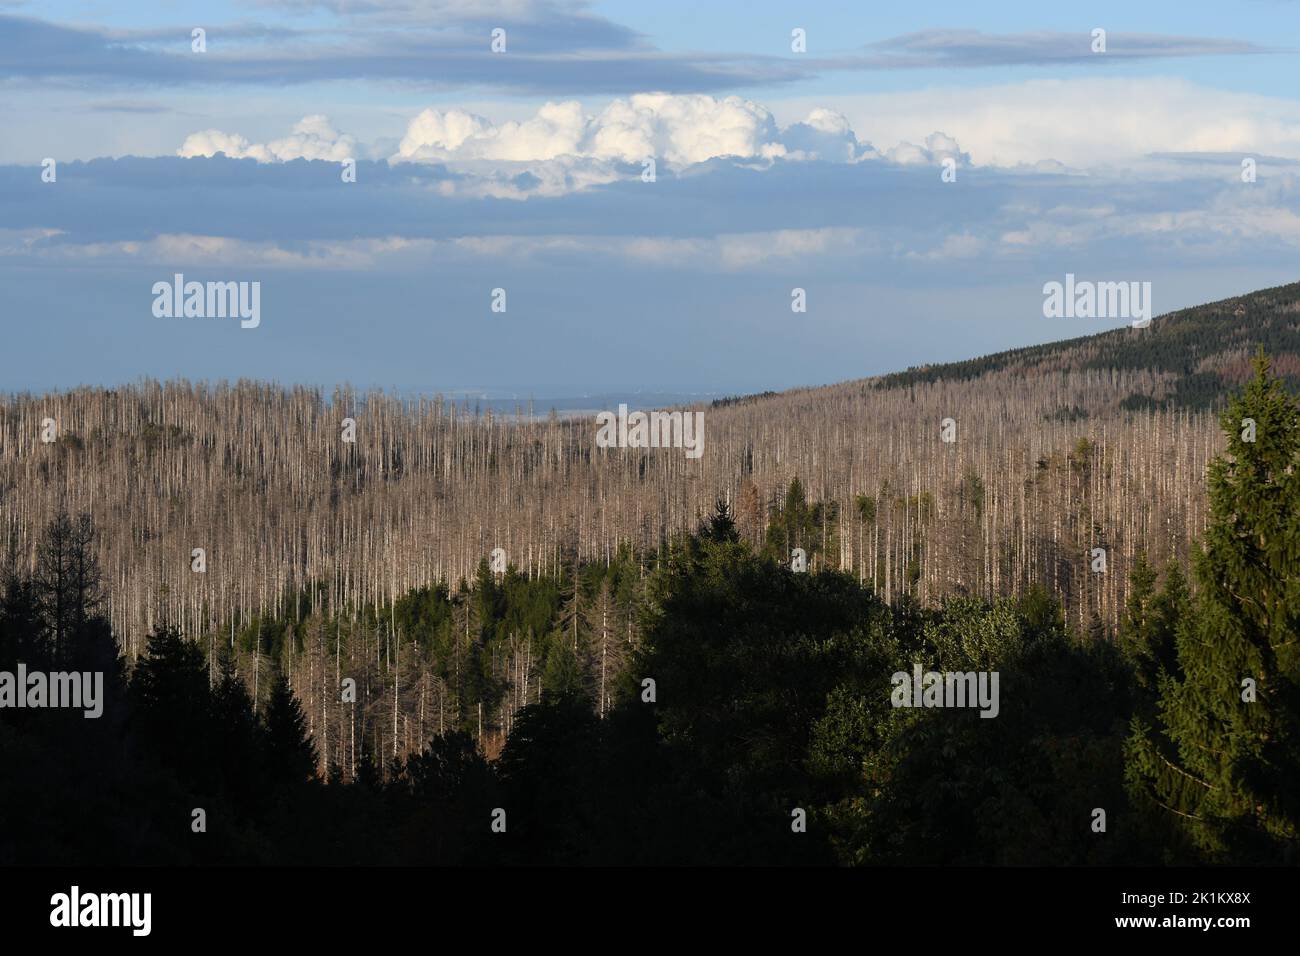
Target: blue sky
(523, 170)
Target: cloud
(1155, 127)
(553, 48)
(1082, 123)
(732, 252)
(1226, 225)
(15, 242)
(127, 106)
(931, 49)
(824, 134)
(570, 21)
(937, 148)
(739, 252)
(191, 250)
(681, 130)
(1232, 218)
(312, 138)
(726, 214)
(562, 148)
(955, 246)
(564, 54)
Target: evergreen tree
(797, 524)
(1142, 588)
(550, 769)
(1225, 766)
(790, 525)
(571, 608)
(291, 752)
(237, 732)
(721, 525)
(1148, 631)
(1041, 611)
(562, 675)
(20, 631)
(488, 601)
(368, 776)
(171, 701)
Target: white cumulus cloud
(563, 148)
(679, 130)
(937, 148)
(313, 137)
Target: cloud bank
(564, 148)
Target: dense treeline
(750, 718)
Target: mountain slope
(1201, 352)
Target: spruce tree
(236, 732)
(171, 704)
(292, 754)
(792, 525)
(368, 776)
(1224, 766)
(1149, 627)
(721, 525)
(20, 626)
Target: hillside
(1059, 449)
(1200, 352)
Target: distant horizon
(502, 397)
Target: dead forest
(260, 479)
(1049, 460)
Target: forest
(696, 702)
(1057, 450)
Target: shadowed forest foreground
(704, 704)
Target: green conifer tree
(1149, 627)
(721, 525)
(1224, 766)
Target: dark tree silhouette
(290, 750)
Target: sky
(919, 171)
